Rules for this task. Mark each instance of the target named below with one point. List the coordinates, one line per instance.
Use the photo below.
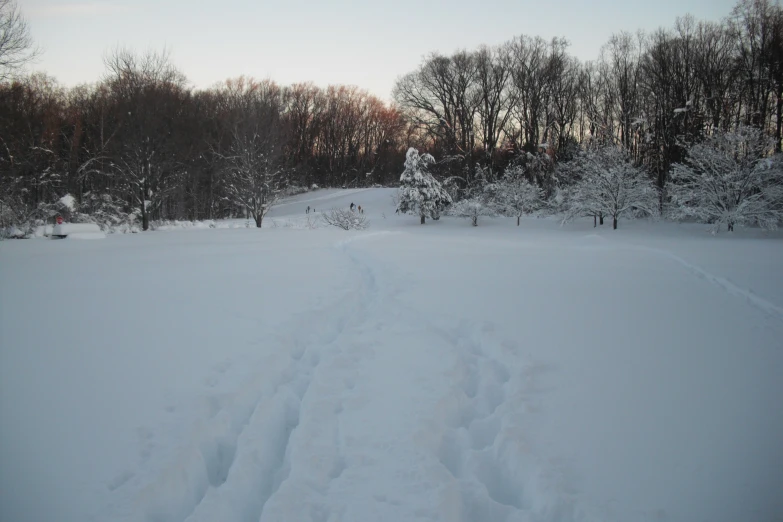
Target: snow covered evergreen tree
(420, 193)
(728, 179)
(611, 185)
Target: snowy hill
(405, 372)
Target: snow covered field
(443, 372)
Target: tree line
(651, 94)
(141, 143)
(142, 137)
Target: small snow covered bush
(19, 220)
(107, 212)
(345, 219)
(472, 209)
(515, 196)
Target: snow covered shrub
(557, 204)
(345, 219)
(727, 179)
(472, 208)
(311, 223)
(21, 220)
(538, 168)
(515, 196)
(420, 193)
(107, 212)
(395, 198)
(611, 185)
(9, 215)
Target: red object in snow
(59, 220)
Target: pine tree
(420, 193)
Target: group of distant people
(353, 207)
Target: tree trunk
(600, 218)
(595, 221)
(614, 222)
(422, 219)
(145, 217)
(731, 226)
(259, 218)
(517, 220)
(475, 221)
(778, 135)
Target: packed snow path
(402, 373)
(358, 421)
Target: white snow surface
(78, 231)
(406, 372)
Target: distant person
(360, 209)
(352, 205)
(308, 209)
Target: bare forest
(141, 144)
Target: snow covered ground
(443, 372)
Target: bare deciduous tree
(253, 175)
(612, 185)
(495, 97)
(148, 92)
(729, 180)
(16, 45)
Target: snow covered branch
(252, 175)
(611, 185)
(730, 180)
(345, 219)
(420, 193)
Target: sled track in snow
(279, 417)
(727, 286)
(768, 308)
(312, 348)
(237, 458)
(276, 449)
(483, 445)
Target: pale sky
(362, 43)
